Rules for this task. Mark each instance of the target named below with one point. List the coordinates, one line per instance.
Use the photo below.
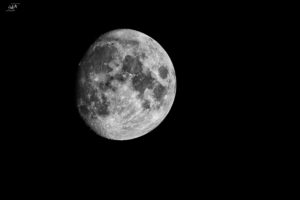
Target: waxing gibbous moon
(127, 85)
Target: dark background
(206, 126)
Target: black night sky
(44, 43)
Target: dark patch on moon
(146, 104)
(101, 57)
(163, 72)
(102, 107)
(132, 64)
(141, 81)
(88, 98)
(159, 92)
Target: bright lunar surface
(126, 85)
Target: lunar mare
(123, 95)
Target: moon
(126, 85)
